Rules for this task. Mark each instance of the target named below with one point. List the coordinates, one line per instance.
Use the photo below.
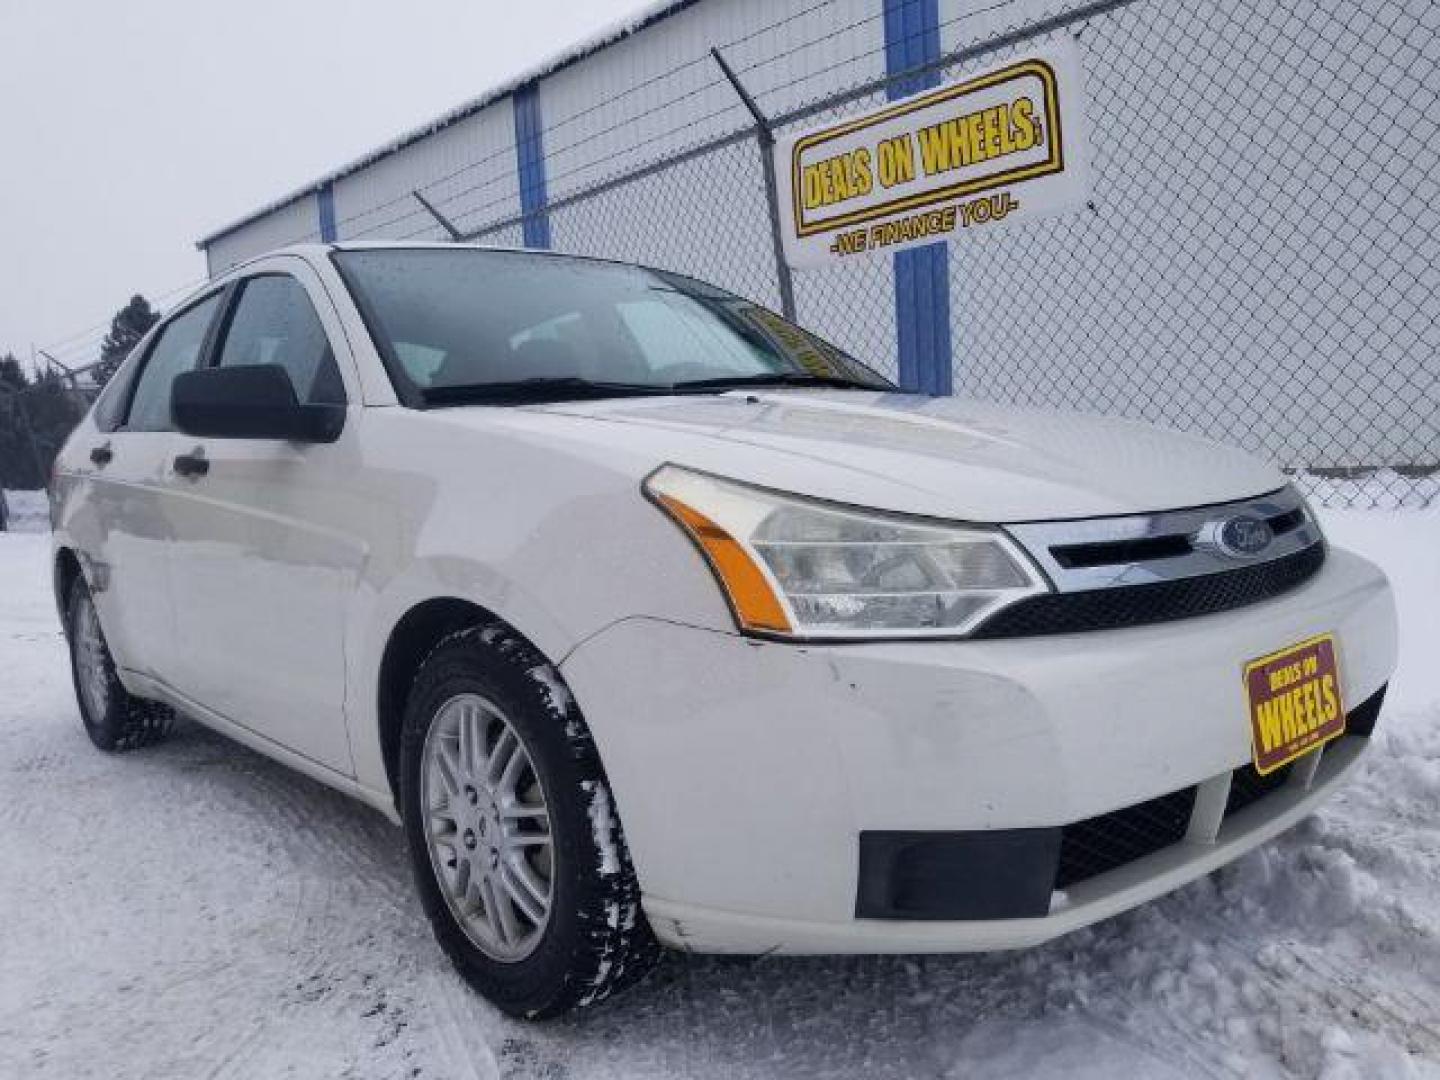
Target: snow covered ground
(195, 910)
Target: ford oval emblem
(1243, 536)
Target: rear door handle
(102, 455)
(192, 464)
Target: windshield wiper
(779, 378)
(545, 388)
(537, 389)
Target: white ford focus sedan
(657, 620)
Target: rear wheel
(514, 839)
(114, 718)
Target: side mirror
(252, 401)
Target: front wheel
(514, 839)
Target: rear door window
(110, 405)
(176, 350)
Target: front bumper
(746, 771)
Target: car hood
(945, 457)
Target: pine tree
(12, 375)
(129, 325)
(17, 461)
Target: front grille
(1096, 845)
(1119, 552)
(1361, 719)
(1248, 786)
(1149, 548)
(1289, 521)
(1161, 601)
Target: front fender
(564, 592)
(376, 614)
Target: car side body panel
(113, 515)
(268, 549)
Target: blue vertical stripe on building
(325, 205)
(922, 275)
(530, 166)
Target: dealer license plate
(1295, 703)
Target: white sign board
(996, 146)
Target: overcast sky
(130, 129)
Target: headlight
(800, 568)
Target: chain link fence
(1258, 264)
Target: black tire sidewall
(104, 731)
(551, 978)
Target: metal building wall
(634, 101)
(618, 108)
(660, 93)
(294, 223)
(467, 167)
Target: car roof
(317, 252)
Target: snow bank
(29, 511)
(1406, 545)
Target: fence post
(922, 274)
(765, 137)
(530, 166)
(325, 210)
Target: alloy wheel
(487, 827)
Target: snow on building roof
(651, 12)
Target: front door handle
(193, 464)
(102, 455)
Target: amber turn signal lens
(754, 602)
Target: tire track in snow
(1363, 995)
(468, 1058)
(318, 830)
(240, 1051)
(1351, 993)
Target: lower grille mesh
(1248, 786)
(1361, 720)
(1099, 844)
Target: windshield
(463, 324)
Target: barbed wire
(508, 150)
(716, 82)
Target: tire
(469, 833)
(114, 719)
